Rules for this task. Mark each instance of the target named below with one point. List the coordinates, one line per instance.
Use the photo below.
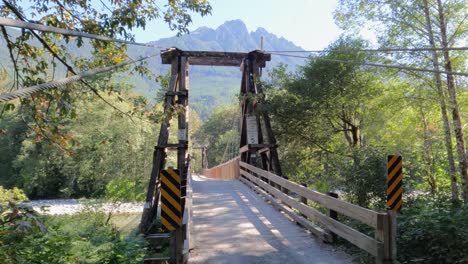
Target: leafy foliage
(431, 232)
(99, 139)
(220, 133)
(14, 195)
(124, 190)
(85, 238)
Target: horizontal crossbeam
(214, 58)
(257, 147)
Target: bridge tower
(256, 148)
(253, 123)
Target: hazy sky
(308, 23)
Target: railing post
(392, 221)
(304, 200)
(386, 233)
(333, 215)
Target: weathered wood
(190, 212)
(332, 213)
(364, 215)
(392, 222)
(158, 236)
(357, 238)
(179, 245)
(244, 149)
(304, 199)
(182, 122)
(274, 152)
(382, 234)
(262, 150)
(214, 58)
(256, 147)
(159, 155)
(171, 146)
(245, 107)
(216, 61)
(314, 229)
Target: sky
(307, 23)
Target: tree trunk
(428, 155)
(351, 131)
(443, 108)
(457, 124)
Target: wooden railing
(229, 170)
(187, 226)
(382, 246)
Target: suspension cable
(372, 50)
(400, 67)
(53, 84)
(33, 26)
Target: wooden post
(392, 221)
(394, 204)
(382, 235)
(179, 245)
(333, 215)
(183, 116)
(304, 200)
(159, 156)
(172, 247)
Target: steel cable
(53, 84)
(400, 67)
(33, 26)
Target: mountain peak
(261, 30)
(235, 27)
(233, 36)
(235, 24)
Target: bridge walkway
(234, 225)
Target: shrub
(431, 232)
(27, 237)
(12, 195)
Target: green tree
(103, 144)
(220, 134)
(421, 23)
(37, 57)
(322, 113)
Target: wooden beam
(215, 61)
(256, 147)
(214, 58)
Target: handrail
(187, 226)
(381, 246)
(228, 170)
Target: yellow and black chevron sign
(171, 209)
(394, 182)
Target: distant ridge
(233, 36)
(209, 86)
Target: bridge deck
(234, 225)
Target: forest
(335, 123)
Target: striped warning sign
(394, 182)
(171, 209)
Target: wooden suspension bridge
(227, 216)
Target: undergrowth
(27, 237)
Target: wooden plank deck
(234, 225)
